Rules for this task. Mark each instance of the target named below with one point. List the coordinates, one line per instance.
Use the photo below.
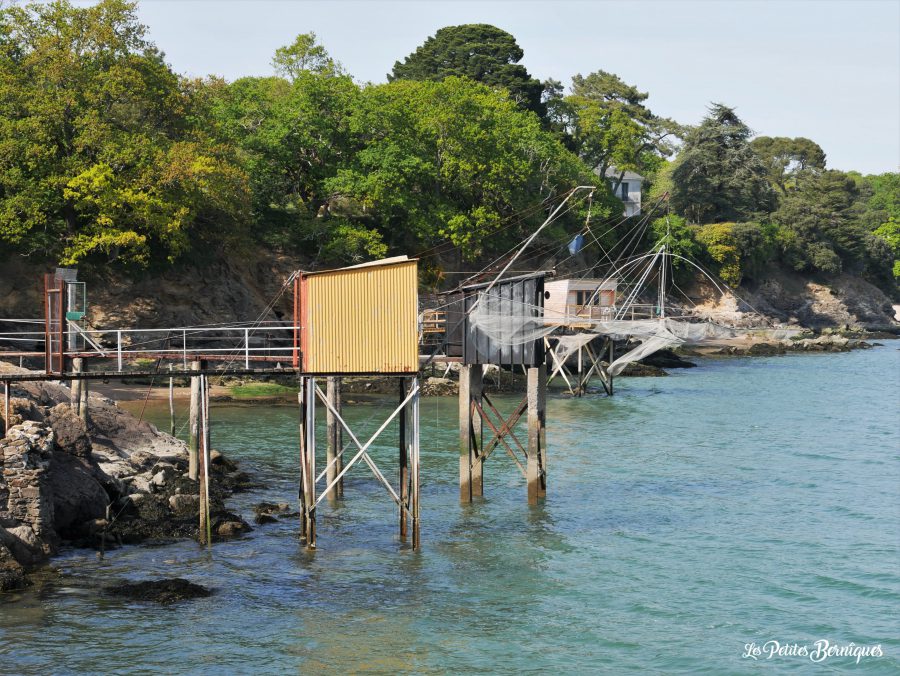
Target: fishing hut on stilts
(514, 303)
(357, 321)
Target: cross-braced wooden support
(578, 381)
(406, 498)
(477, 412)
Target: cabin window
(624, 188)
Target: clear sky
(829, 71)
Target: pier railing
(267, 341)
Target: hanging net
(509, 322)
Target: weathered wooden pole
(205, 522)
(7, 408)
(301, 433)
(194, 424)
(75, 389)
(612, 355)
(404, 457)
(83, 395)
(471, 481)
(536, 466)
(334, 439)
(308, 452)
(414, 453)
(580, 389)
(171, 404)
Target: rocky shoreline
(100, 484)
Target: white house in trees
(629, 190)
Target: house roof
(612, 172)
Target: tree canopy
(717, 177)
(99, 155)
(480, 52)
(786, 157)
(108, 155)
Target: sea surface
(745, 501)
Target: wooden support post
(404, 457)
(205, 522)
(414, 453)
(301, 430)
(308, 454)
(581, 386)
(194, 424)
(536, 466)
(75, 387)
(334, 439)
(171, 404)
(83, 395)
(7, 408)
(476, 389)
(470, 477)
(612, 355)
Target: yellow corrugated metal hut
(360, 319)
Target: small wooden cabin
(567, 299)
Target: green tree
(452, 160)
(823, 230)
(480, 52)
(304, 54)
(98, 156)
(785, 158)
(717, 177)
(610, 125)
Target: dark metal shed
(519, 297)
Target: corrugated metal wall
(518, 297)
(361, 320)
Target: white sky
(829, 71)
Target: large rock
(78, 496)
(70, 431)
(12, 575)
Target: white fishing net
(510, 322)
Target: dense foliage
(480, 52)
(106, 155)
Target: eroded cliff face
(238, 289)
(790, 299)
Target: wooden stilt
(203, 439)
(194, 424)
(301, 428)
(6, 407)
(477, 435)
(612, 355)
(581, 385)
(470, 478)
(334, 439)
(309, 459)
(535, 469)
(415, 448)
(75, 400)
(404, 459)
(465, 424)
(171, 404)
(83, 395)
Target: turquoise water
(743, 501)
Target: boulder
(12, 575)
(185, 506)
(160, 591)
(77, 495)
(70, 431)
